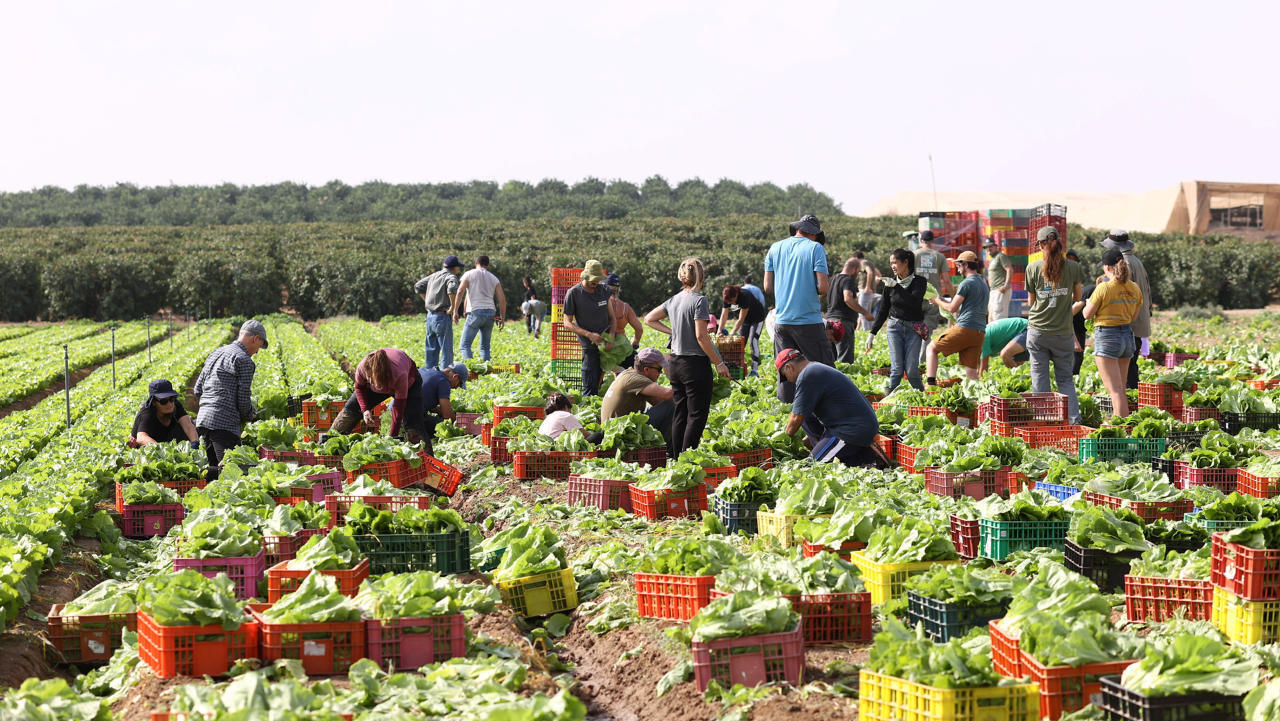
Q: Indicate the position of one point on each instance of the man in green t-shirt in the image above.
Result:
(932, 266)
(997, 281)
(1007, 339)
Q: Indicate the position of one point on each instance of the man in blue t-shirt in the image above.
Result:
(437, 385)
(969, 305)
(795, 272)
(826, 395)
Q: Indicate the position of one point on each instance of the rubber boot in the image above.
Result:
(344, 423)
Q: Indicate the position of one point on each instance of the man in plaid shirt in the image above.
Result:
(223, 390)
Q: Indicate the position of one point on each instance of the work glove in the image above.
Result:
(1146, 347)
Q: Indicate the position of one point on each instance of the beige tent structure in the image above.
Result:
(1194, 206)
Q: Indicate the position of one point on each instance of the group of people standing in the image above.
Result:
(449, 295)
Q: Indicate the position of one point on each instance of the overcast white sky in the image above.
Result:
(850, 97)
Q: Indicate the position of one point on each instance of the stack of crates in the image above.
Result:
(1016, 247)
(1049, 214)
(954, 231)
(566, 352)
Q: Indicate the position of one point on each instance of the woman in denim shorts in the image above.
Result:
(1113, 306)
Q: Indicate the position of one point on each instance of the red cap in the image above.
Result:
(837, 329)
(785, 356)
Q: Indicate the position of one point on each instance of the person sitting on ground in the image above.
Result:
(637, 387)
(386, 373)
(162, 419)
(1006, 339)
(826, 395)
(437, 386)
(969, 305)
(560, 417)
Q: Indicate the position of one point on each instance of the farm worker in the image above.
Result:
(439, 291)
(932, 266)
(795, 272)
(843, 305)
(223, 389)
(162, 418)
(382, 374)
(437, 386)
(1077, 320)
(749, 319)
(589, 314)
(998, 281)
(1007, 340)
(693, 355)
(969, 305)
(1115, 303)
(624, 315)
(1119, 240)
(868, 279)
(560, 417)
(532, 323)
(1053, 292)
(637, 387)
(749, 285)
(903, 309)
(827, 396)
(481, 292)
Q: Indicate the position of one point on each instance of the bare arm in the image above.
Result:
(633, 320)
(768, 281)
(737, 325)
(957, 300)
(502, 303)
(144, 440)
(446, 408)
(571, 324)
(824, 282)
(794, 422)
(459, 298)
(657, 392)
(851, 300)
(654, 319)
(188, 427)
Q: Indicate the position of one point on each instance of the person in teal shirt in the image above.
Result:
(970, 307)
(1006, 339)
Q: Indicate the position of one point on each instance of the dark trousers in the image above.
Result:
(812, 342)
(216, 443)
(591, 373)
(1132, 381)
(413, 417)
(660, 417)
(844, 348)
(691, 382)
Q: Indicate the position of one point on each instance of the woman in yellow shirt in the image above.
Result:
(1113, 306)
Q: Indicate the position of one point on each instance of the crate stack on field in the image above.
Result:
(954, 231)
(1014, 231)
(566, 352)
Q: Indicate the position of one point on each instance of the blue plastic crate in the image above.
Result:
(1059, 492)
(1018, 295)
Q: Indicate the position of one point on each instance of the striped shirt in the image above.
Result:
(223, 389)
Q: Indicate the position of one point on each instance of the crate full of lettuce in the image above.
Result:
(532, 576)
(411, 539)
(825, 590)
(748, 639)
(676, 491)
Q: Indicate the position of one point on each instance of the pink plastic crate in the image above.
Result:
(751, 660)
(244, 572)
(409, 643)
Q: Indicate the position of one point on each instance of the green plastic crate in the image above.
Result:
(1213, 526)
(944, 621)
(998, 539)
(445, 553)
(1127, 450)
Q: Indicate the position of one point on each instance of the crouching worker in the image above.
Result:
(1006, 339)
(638, 387)
(386, 373)
(437, 388)
(827, 396)
(162, 419)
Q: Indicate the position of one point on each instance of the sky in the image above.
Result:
(850, 97)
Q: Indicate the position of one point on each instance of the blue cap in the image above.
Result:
(612, 279)
(452, 262)
(460, 368)
(161, 389)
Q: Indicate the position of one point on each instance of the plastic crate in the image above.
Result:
(245, 573)
(322, 485)
(654, 457)
(89, 638)
(1156, 599)
(1017, 480)
(656, 505)
(1184, 439)
(1006, 655)
(302, 458)
(780, 526)
(180, 487)
(486, 433)
(719, 474)
(1148, 511)
(279, 548)
(142, 521)
(469, 422)
(400, 644)
(498, 452)
(887, 445)
(737, 516)
(974, 484)
(1244, 621)
(888, 698)
(1173, 360)
(569, 371)
(1264, 384)
(1215, 526)
(809, 550)
(398, 472)
(282, 581)
(944, 621)
(321, 417)
(541, 595)
(762, 458)
(1193, 415)
(1064, 438)
(1057, 490)
(565, 277)
(554, 465)
(1256, 485)
(194, 650)
(1223, 479)
(1032, 409)
(1125, 450)
(965, 536)
(905, 455)
(834, 617)
(1163, 396)
(338, 505)
(1064, 689)
(445, 553)
(1167, 467)
(1253, 574)
(887, 581)
(600, 493)
(491, 560)
(1001, 538)
(325, 649)
(750, 660)
(441, 476)
(1105, 569)
(501, 412)
(672, 597)
(1123, 704)
(1236, 422)
(557, 309)
(964, 420)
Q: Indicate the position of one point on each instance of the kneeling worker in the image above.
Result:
(437, 386)
(969, 304)
(1007, 339)
(637, 387)
(386, 373)
(833, 400)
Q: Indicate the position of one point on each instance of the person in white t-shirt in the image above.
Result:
(560, 417)
(480, 294)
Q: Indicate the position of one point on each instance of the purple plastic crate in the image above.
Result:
(245, 572)
(324, 484)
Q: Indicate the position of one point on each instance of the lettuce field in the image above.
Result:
(1008, 566)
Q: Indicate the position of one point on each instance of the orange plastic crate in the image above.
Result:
(324, 649)
(282, 581)
(528, 465)
(1163, 396)
(501, 412)
(809, 550)
(716, 476)
(1264, 384)
(1064, 438)
(656, 505)
(88, 638)
(1006, 656)
(1032, 409)
(1149, 511)
(565, 277)
(398, 472)
(338, 505)
(194, 650)
(1064, 689)
(887, 445)
(1258, 486)
(1148, 598)
(762, 458)
(671, 597)
(441, 476)
(906, 456)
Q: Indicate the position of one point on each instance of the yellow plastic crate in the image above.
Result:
(887, 581)
(1245, 621)
(540, 595)
(886, 698)
(780, 526)
(557, 312)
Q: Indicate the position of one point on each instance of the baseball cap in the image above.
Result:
(253, 327)
(652, 357)
(612, 279)
(1046, 233)
(926, 236)
(1111, 256)
(452, 262)
(161, 388)
(989, 241)
(461, 369)
(968, 256)
(785, 356)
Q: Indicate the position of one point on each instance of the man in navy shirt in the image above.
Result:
(437, 384)
(826, 395)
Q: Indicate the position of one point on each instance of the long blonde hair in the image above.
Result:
(692, 273)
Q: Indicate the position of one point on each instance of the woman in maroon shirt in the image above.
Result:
(386, 373)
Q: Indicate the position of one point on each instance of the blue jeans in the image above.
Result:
(478, 321)
(439, 343)
(1054, 354)
(904, 354)
(591, 371)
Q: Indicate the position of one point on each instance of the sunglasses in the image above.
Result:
(166, 400)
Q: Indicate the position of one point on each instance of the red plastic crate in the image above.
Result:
(565, 277)
(887, 445)
(245, 573)
(965, 536)
(1002, 429)
(324, 649)
(338, 505)
(1017, 480)
(718, 475)
(600, 493)
(281, 581)
(1193, 415)
(404, 644)
(1064, 438)
(809, 550)
(656, 505)
(1148, 511)
(1033, 409)
(498, 452)
(1173, 360)
(751, 660)
(1163, 396)
(966, 420)
(654, 457)
(322, 485)
(974, 484)
(334, 462)
(441, 476)
(280, 548)
(1223, 479)
(469, 422)
(529, 465)
(906, 456)
(671, 597)
(1006, 656)
(1257, 486)
(1253, 574)
(148, 521)
(194, 650)
(302, 458)
(1148, 598)
(501, 412)
(1064, 689)
(1264, 384)
(89, 638)
(315, 416)
(398, 473)
(834, 617)
(486, 433)
(180, 487)
(762, 458)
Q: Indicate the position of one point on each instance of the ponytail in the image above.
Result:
(1055, 258)
(1121, 271)
(692, 273)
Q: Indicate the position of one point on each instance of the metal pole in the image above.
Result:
(934, 179)
(148, 339)
(66, 381)
(170, 330)
(113, 357)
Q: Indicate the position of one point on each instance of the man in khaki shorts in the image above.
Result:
(965, 338)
